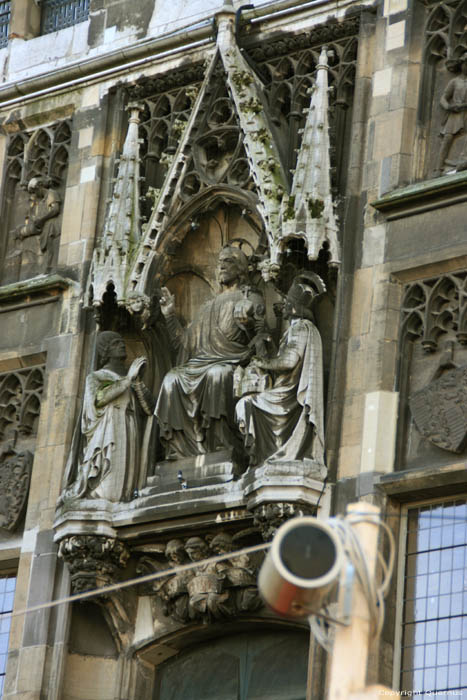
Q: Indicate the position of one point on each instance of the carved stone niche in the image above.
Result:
(36, 167)
(433, 372)
(209, 592)
(20, 397)
(443, 100)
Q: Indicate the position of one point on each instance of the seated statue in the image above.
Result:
(112, 425)
(195, 408)
(285, 422)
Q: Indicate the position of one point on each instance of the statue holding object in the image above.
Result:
(285, 422)
(112, 425)
(454, 102)
(37, 239)
(195, 408)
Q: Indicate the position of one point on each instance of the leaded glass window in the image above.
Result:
(434, 614)
(7, 594)
(5, 9)
(58, 14)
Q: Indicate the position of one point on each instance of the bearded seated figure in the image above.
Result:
(195, 408)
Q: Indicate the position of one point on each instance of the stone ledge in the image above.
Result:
(423, 196)
(37, 290)
(424, 482)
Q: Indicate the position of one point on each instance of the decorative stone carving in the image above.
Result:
(94, 561)
(440, 410)
(432, 374)
(234, 139)
(20, 401)
(112, 426)
(454, 102)
(38, 237)
(37, 163)
(122, 227)
(210, 591)
(444, 117)
(195, 408)
(285, 422)
(311, 199)
(15, 476)
(434, 306)
(269, 517)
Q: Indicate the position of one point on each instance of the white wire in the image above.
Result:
(374, 593)
(95, 592)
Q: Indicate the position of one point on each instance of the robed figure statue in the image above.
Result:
(112, 426)
(285, 422)
(195, 408)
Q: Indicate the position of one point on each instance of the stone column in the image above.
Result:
(25, 20)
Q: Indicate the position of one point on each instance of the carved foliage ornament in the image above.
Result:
(270, 516)
(94, 561)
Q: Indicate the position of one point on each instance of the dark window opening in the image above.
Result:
(5, 11)
(58, 14)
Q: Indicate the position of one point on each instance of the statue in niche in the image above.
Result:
(112, 426)
(454, 102)
(285, 422)
(37, 239)
(195, 408)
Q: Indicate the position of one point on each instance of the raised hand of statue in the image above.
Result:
(167, 302)
(137, 368)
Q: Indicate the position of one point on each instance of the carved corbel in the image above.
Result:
(94, 562)
(268, 517)
(208, 591)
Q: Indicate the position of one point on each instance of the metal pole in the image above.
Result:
(350, 649)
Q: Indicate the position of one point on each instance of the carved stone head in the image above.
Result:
(108, 343)
(232, 265)
(196, 548)
(175, 551)
(222, 543)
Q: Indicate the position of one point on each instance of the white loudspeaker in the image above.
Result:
(302, 566)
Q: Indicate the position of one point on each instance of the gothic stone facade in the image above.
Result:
(233, 290)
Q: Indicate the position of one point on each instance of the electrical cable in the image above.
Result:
(104, 590)
(374, 593)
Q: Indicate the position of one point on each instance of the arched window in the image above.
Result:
(258, 666)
